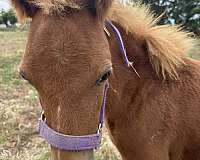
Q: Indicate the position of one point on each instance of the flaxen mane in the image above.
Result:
(167, 45)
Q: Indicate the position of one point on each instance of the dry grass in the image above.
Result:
(19, 109)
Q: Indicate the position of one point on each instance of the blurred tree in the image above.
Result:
(1, 19)
(184, 12)
(8, 18)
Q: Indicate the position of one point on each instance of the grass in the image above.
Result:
(8, 70)
(19, 109)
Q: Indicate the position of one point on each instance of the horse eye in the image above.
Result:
(23, 76)
(104, 77)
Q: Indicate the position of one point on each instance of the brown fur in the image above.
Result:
(148, 117)
(102, 7)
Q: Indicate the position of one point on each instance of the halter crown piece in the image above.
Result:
(86, 142)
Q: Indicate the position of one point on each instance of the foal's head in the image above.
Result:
(67, 60)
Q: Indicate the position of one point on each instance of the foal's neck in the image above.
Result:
(126, 88)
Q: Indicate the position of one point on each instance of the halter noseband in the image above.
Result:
(86, 142)
(74, 143)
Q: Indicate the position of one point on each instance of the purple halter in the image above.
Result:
(74, 143)
(86, 142)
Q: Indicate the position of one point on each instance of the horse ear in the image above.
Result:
(101, 7)
(24, 9)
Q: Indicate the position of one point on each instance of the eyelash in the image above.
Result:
(103, 77)
(23, 77)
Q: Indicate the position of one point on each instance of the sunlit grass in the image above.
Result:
(8, 71)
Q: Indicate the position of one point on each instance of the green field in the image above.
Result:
(19, 108)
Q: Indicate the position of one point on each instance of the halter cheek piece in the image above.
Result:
(86, 142)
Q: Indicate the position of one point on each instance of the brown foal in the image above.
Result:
(154, 117)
